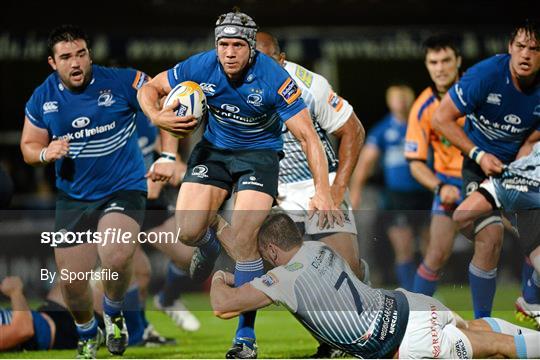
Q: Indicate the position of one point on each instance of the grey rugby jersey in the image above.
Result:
(328, 111)
(321, 290)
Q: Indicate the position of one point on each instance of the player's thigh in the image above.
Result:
(474, 206)
(345, 244)
(196, 206)
(78, 258)
(120, 239)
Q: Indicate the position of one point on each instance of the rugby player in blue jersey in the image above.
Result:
(250, 99)
(500, 97)
(82, 118)
(315, 284)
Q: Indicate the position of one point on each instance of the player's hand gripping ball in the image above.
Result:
(191, 101)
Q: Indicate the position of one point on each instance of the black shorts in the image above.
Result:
(234, 169)
(66, 332)
(79, 216)
(472, 175)
(407, 208)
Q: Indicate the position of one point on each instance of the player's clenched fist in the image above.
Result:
(11, 285)
(57, 149)
(491, 165)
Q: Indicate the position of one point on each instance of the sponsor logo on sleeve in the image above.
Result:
(536, 110)
(140, 79)
(411, 146)
(304, 76)
(269, 279)
(459, 92)
(289, 91)
(335, 101)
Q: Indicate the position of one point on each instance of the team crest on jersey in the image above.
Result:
(289, 91)
(50, 106)
(294, 266)
(269, 279)
(106, 98)
(254, 99)
(200, 171)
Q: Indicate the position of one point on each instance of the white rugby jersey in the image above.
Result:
(328, 111)
(323, 293)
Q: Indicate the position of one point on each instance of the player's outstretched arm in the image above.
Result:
(21, 328)
(301, 126)
(228, 301)
(351, 138)
(36, 148)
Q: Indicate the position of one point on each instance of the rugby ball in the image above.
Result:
(190, 100)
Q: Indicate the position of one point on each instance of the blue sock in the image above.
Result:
(88, 330)
(209, 244)
(111, 307)
(405, 274)
(425, 280)
(531, 291)
(174, 281)
(142, 313)
(132, 315)
(483, 285)
(526, 272)
(244, 272)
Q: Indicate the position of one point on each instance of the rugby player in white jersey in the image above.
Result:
(319, 288)
(331, 114)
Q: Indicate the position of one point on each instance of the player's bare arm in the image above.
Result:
(351, 138)
(301, 126)
(21, 328)
(527, 146)
(228, 301)
(149, 97)
(366, 162)
(36, 148)
(445, 121)
(449, 193)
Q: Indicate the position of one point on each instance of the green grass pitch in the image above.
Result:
(279, 335)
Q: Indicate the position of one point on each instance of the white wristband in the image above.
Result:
(42, 155)
(476, 154)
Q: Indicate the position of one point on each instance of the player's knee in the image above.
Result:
(437, 258)
(190, 235)
(117, 261)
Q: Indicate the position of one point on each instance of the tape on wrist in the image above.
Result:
(168, 155)
(476, 154)
(42, 155)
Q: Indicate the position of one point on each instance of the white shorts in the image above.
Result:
(490, 188)
(431, 331)
(294, 198)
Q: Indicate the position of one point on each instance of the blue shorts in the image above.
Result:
(438, 208)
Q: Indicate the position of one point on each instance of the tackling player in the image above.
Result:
(442, 61)
(331, 114)
(499, 96)
(82, 118)
(319, 288)
(250, 99)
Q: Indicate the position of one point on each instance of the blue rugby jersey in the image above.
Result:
(245, 115)
(499, 116)
(99, 123)
(388, 136)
